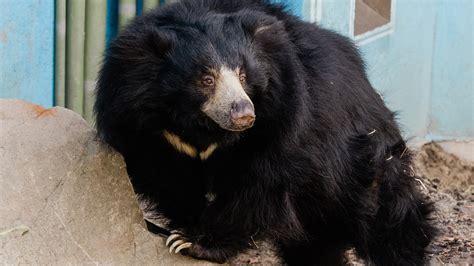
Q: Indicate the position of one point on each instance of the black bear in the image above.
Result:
(239, 122)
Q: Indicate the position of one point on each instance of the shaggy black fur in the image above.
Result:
(307, 176)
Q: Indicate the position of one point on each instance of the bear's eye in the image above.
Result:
(208, 81)
(242, 78)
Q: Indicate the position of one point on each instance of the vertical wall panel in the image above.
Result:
(112, 20)
(27, 50)
(149, 4)
(60, 54)
(75, 25)
(96, 11)
(127, 11)
(139, 7)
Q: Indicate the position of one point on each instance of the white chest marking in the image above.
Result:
(210, 197)
(188, 149)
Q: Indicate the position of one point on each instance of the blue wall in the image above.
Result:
(27, 50)
(423, 67)
(452, 100)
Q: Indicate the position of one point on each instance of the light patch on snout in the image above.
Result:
(188, 149)
(228, 90)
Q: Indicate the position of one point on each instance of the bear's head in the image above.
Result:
(190, 75)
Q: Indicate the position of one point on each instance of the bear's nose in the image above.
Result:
(242, 114)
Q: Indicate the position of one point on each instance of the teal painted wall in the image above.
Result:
(27, 50)
(335, 15)
(452, 100)
(423, 68)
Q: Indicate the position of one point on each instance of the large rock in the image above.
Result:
(65, 198)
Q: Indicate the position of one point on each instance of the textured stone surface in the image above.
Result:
(65, 198)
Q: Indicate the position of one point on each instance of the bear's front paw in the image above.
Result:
(177, 242)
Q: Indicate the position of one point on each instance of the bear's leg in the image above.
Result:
(322, 252)
(400, 241)
(402, 228)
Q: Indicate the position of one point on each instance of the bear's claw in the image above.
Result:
(183, 246)
(176, 243)
(171, 238)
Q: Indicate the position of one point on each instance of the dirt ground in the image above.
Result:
(449, 183)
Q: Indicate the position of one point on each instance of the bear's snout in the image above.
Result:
(230, 106)
(242, 114)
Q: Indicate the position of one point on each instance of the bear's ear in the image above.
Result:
(256, 24)
(159, 40)
(148, 42)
